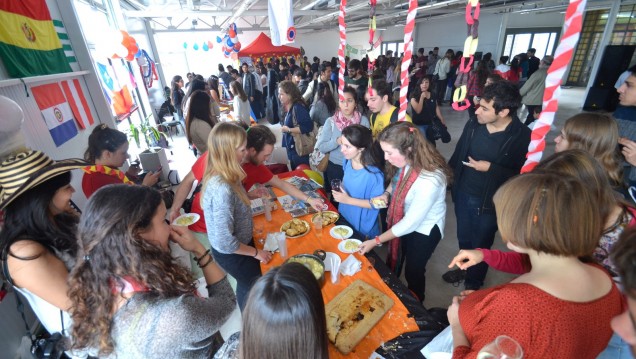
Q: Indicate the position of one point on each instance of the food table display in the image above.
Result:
(397, 319)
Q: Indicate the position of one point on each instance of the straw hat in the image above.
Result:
(26, 170)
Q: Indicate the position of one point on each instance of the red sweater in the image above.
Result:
(91, 182)
(545, 326)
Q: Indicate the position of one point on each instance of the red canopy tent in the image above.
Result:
(262, 47)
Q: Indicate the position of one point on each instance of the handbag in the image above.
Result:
(304, 142)
(439, 131)
(317, 159)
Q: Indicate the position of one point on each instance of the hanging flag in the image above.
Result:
(76, 99)
(29, 45)
(64, 40)
(118, 97)
(56, 112)
(281, 22)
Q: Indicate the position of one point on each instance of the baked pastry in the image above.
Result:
(353, 313)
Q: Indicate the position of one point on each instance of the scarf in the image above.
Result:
(396, 213)
(107, 171)
(125, 285)
(341, 121)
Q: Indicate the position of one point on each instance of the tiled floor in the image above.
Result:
(438, 293)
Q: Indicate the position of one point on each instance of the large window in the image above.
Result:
(518, 41)
(395, 46)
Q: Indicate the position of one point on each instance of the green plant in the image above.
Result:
(150, 134)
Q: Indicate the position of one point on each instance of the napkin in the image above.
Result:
(328, 258)
(350, 266)
(271, 244)
(334, 263)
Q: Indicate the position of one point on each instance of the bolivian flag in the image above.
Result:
(29, 45)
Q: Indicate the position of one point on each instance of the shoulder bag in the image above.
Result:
(304, 142)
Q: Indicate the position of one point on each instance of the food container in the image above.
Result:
(317, 259)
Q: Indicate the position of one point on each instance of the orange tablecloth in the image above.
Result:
(394, 322)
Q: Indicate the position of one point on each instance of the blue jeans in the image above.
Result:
(295, 160)
(245, 269)
(617, 348)
(474, 230)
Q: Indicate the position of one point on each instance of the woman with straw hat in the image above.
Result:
(37, 241)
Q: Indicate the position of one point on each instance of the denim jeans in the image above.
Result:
(295, 160)
(245, 269)
(474, 230)
(617, 348)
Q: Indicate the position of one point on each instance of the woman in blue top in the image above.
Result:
(362, 180)
(297, 120)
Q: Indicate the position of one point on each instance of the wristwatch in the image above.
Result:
(377, 241)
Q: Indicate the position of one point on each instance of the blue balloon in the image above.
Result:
(218, 39)
(205, 47)
(229, 42)
(195, 47)
(138, 53)
(185, 45)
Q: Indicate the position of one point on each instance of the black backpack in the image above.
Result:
(394, 117)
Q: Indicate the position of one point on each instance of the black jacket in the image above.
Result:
(510, 159)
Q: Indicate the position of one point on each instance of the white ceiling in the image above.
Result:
(316, 15)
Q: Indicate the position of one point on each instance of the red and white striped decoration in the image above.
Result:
(562, 57)
(406, 60)
(341, 48)
(460, 103)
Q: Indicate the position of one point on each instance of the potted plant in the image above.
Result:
(151, 136)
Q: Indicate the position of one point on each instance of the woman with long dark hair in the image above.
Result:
(196, 85)
(297, 120)
(329, 140)
(425, 108)
(324, 106)
(284, 302)
(177, 95)
(107, 151)
(362, 180)
(199, 122)
(228, 215)
(37, 241)
(213, 86)
(127, 289)
(417, 210)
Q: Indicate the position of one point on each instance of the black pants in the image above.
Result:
(440, 88)
(417, 249)
(530, 117)
(245, 269)
(333, 171)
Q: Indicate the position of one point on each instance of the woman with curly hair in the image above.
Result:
(130, 298)
(228, 215)
(596, 134)
(417, 210)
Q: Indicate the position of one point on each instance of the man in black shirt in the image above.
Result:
(533, 61)
(491, 150)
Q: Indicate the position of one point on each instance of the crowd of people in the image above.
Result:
(107, 280)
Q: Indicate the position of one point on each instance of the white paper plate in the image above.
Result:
(341, 245)
(337, 236)
(186, 220)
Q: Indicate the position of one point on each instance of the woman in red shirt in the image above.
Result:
(562, 307)
(107, 151)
